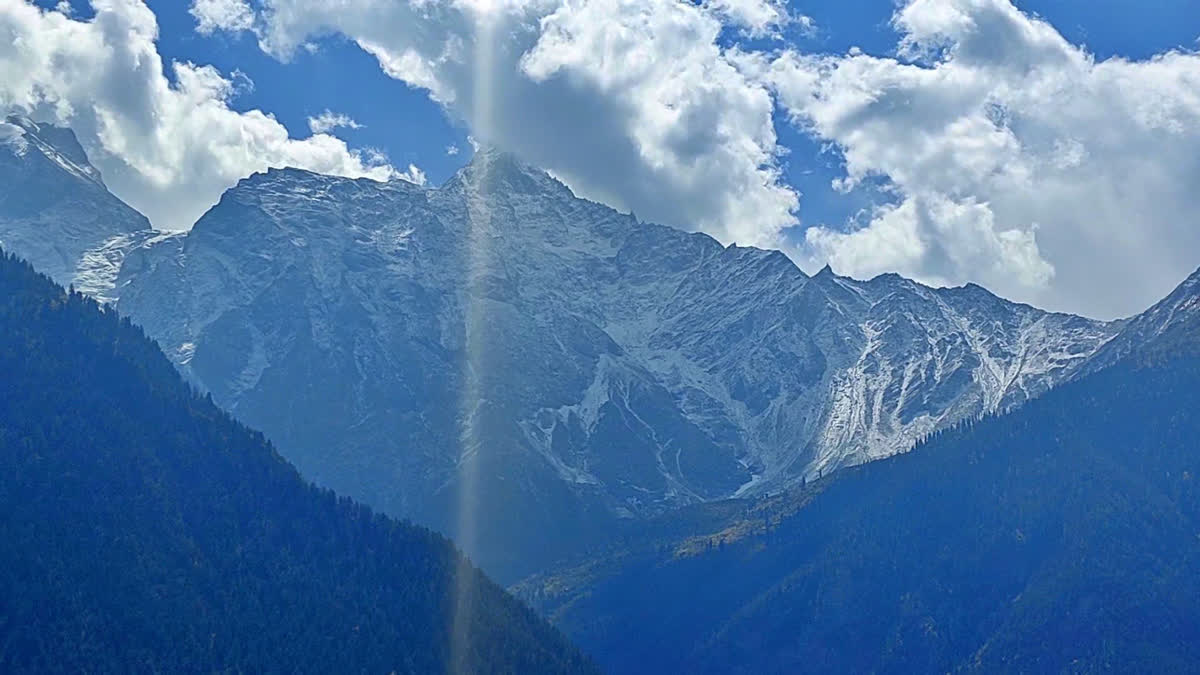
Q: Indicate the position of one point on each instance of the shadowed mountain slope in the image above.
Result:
(146, 530)
(1063, 537)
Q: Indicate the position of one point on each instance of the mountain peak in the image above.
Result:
(284, 176)
(492, 155)
(492, 170)
(292, 183)
(1180, 308)
(55, 210)
(11, 133)
(1191, 284)
(1168, 328)
(57, 144)
(1182, 305)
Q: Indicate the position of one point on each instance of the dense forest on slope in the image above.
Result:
(145, 530)
(1064, 537)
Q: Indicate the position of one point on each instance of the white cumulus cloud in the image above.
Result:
(755, 17)
(212, 15)
(1014, 158)
(632, 102)
(413, 174)
(168, 148)
(1005, 154)
(328, 121)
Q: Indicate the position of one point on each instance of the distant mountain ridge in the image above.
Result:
(623, 368)
(498, 346)
(1062, 537)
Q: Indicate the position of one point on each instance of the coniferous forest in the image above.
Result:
(636, 337)
(147, 531)
(1062, 537)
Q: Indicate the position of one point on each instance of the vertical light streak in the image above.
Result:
(473, 400)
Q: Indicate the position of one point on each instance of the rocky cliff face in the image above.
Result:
(515, 365)
(56, 212)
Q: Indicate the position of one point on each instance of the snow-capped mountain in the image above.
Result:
(56, 212)
(499, 344)
(552, 363)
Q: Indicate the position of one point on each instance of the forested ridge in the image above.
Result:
(145, 530)
(1063, 537)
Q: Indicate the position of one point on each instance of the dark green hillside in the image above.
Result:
(1064, 537)
(145, 530)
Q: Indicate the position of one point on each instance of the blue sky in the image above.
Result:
(1108, 28)
(1007, 156)
(410, 128)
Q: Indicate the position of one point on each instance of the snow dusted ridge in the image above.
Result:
(573, 362)
(546, 361)
(55, 210)
(1175, 318)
